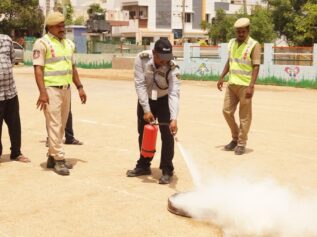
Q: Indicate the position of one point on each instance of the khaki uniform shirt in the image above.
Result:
(153, 83)
(256, 54)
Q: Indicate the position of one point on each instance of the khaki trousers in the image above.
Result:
(236, 94)
(56, 114)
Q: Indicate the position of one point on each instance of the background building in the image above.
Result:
(149, 20)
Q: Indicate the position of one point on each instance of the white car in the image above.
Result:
(18, 49)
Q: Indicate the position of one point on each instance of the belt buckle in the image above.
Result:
(65, 87)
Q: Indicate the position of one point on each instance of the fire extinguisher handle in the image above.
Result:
(161, 124)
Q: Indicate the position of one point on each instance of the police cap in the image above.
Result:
(242, 22)
(54, 18)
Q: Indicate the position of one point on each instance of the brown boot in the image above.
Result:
(60, 167)
(240, 150)
(231, 145)
(51, 163)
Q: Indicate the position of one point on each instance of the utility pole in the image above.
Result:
(183, 17)
(47, 6)
(245, 7)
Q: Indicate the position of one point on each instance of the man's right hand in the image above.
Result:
(42, 101)
(220, 84)
(148, 117)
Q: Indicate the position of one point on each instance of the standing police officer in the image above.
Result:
(54, 71)
(243, 67)
(157, 86)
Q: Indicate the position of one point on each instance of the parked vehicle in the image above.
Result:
(18, 49)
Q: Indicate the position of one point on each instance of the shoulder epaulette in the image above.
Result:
(144, 55)
(173, 65)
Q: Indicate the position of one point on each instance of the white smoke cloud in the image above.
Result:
(245, 209)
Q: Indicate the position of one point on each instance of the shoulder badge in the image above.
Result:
(178, 76)
(144, 55)
(173, 65)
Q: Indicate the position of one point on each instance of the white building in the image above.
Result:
(151, 19)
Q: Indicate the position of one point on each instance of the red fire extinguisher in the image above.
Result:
(149, 140)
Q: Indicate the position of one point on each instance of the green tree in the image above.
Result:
(306, 25)
(20, 17)
(221, 29)
(79, 21)
(69, 14)
(295, 19)
(95, 8)
(283, 15)
(262, 25)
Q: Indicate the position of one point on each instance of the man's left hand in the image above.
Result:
(82, 95)
(249, 92)
(173, 127)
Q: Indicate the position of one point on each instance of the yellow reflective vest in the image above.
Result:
(240, 62)
(58, 69)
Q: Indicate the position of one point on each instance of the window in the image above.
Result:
(132, 14)
(17, 46)
(207, 17)
(188, 17)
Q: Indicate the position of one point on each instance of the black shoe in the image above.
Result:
(138, 172)
(165, 179)
(51, 163)
(240, 150)
(231, 145)
(74, 142)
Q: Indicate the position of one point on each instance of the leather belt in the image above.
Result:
(63, 87)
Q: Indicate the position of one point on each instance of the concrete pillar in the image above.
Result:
(203, 10)
(186, 55)
(223, 53)
(138, 38)
(314, 64)
(195, 50)
(268, 60)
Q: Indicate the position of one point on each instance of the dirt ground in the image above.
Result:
(97, 199)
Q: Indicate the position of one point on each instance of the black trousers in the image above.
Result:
(9, 112)
(160, 110)
(69, 132)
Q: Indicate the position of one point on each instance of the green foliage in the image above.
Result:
(305, 83)
(102, 65)
(296, 19)
(195, 77)
(95, 8)
(221, 30)
(262, 25)
(306, 25)
(20, 17)
(68, 14)
(79, 21)
(283, 15)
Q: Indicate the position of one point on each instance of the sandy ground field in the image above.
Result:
(97, 199)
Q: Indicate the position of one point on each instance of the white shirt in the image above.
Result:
(148, 78)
